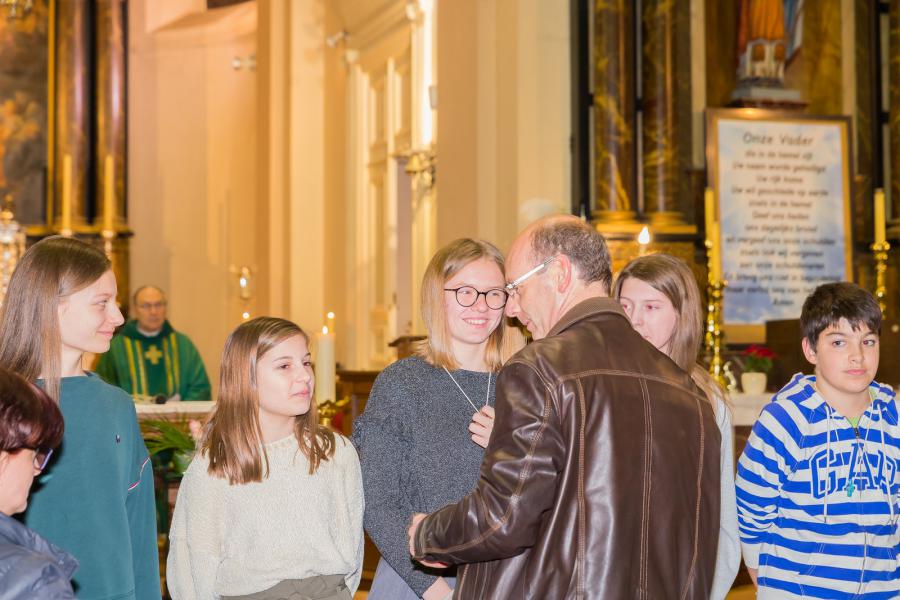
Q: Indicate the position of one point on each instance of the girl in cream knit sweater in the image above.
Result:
(272, 504)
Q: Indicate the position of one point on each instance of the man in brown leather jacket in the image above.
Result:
(601, 478)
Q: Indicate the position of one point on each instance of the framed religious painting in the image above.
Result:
(25, 102)
(782, 185)
(62, 114)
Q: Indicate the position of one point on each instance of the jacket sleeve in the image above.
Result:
(196, 382)
(382, 438)
(196, 536)
(54, 585)
(141, 510)
(353, 495)
(518, 480)
(764, 467)
(26, 576)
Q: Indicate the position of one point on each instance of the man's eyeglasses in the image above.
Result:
(466, 296)
(152, 306)
(512, 287)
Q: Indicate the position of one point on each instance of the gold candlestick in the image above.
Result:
(65, 217)
(880, 250)
(329, 409)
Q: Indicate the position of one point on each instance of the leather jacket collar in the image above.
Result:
(585, 309)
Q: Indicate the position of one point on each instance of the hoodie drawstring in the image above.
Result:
(889, 496)
(827, 456)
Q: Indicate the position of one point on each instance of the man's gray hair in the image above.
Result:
(137, 292)
(579, 241)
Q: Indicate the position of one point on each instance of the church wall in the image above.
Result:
(503, 116)
(193, 169)
(335, 191)
(307, 257)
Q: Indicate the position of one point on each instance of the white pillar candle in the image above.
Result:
(325, 376)
(712, 234)
(109, 194)
(880, 236)
(66, 207)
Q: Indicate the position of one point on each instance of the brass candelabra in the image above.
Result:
(12, 244)
(880, 250)
(715, 290)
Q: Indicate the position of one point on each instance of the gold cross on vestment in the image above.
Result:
(153, 355)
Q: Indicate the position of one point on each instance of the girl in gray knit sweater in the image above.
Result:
(421, 438)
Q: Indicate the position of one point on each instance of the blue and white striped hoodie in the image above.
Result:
(817, 499)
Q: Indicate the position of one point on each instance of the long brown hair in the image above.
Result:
(30, 342)
(671, 276)
(233, 438)
(503, 342)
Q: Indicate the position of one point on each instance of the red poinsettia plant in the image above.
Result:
(758, 359)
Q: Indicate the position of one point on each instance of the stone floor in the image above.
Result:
(744, 592)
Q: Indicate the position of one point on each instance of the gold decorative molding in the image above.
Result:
(421, 165)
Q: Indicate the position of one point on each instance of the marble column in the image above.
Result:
(894, 77)
(70, 120)
(110, 94)
(863, 95)
(659, 92)
(614, 90)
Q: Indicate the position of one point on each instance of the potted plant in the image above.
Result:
(757, 361)
(175, 439)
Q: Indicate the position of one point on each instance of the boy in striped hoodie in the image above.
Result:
(817, 484)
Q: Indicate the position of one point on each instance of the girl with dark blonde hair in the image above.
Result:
(272, 503)
(429, 417)
(97, 501)
(660, 295)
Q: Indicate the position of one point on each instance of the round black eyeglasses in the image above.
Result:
(466, 296)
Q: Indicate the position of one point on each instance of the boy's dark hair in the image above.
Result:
(831, 302)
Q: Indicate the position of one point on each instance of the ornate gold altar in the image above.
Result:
(63, 145)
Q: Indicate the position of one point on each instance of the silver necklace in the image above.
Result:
(487, 394)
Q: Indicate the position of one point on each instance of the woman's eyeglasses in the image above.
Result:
(42, 457)
(466, 296)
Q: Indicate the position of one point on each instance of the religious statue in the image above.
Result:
(761, 42)
(769, 31)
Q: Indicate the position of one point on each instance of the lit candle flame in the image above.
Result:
(330, 315)
(325, 329)
(644, 236)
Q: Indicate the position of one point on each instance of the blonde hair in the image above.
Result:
(671, 276)
(51, 270)
(502, 343)
(233, 438)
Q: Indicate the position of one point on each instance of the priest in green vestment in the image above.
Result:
(148, 358)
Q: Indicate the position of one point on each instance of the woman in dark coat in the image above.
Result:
(31, 426)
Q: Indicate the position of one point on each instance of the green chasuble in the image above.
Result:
(167, 363)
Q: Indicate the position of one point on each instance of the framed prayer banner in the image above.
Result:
(783, 184)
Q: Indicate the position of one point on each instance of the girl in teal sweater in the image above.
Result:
(96, 501)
